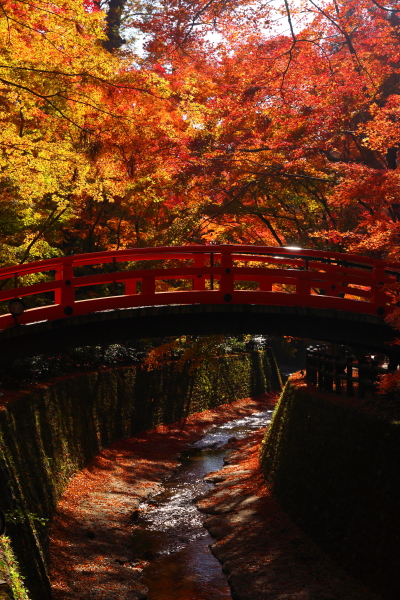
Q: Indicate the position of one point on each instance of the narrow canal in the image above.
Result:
(169, 532)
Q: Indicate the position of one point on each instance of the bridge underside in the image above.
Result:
(121, 326)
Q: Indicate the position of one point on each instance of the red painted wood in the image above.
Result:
(309, 278)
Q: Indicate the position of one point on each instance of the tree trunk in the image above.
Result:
(113, 20)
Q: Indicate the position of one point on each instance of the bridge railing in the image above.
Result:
(349, 376)
(76, 285)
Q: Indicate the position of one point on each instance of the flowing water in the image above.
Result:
(170, 532)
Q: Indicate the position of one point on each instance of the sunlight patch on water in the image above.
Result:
(238, 428)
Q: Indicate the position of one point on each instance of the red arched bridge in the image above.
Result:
(284, 283)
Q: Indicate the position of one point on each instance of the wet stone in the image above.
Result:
(210, 478)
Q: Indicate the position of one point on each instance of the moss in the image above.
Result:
(334, 468)
(49, 434)
(10, 572)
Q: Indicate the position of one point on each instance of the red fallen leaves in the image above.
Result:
(90, 545)
(264, 554)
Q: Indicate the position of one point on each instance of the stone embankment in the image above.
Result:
(332, 463)
(49, 431)
(91, 553)
(266, 556)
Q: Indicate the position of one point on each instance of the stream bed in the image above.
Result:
(169, 531)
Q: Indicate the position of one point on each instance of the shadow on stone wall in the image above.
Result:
(334, 467)
(47, 435)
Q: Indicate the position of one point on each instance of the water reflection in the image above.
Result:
(169, 532)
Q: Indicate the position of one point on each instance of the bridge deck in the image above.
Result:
(367, 332)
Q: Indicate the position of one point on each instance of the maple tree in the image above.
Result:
(255, 135)
(302, 153)
(222, 129)
(81, 131)
(291, 135)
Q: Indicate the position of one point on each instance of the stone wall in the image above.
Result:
(50, 433)
(334, 467)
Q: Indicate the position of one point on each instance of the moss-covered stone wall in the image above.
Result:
(52, 432)
(335, 469)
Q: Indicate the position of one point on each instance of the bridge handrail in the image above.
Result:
(335, 373)
(157, 253)
(343, 281)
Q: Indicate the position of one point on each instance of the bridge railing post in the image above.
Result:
(227, 279)
(363, 368)
(315, 366)
(332, 289)
(349, 377)
(309, 364)
(339, 374)
(265, 284)
(148, 285)
(312, 365)
(65, 296)
(199, 281)
(212, 274)
(374, 373)
(328, 372)
(378, 276)
(130, 287)
(303, 287)
(114, 283)
(321, 374)
(393, 364)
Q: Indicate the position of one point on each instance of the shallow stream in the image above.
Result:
(169, 531)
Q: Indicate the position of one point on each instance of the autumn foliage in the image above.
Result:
(225, 127)
(130, 123)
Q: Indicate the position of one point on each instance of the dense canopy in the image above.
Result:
(132, 122)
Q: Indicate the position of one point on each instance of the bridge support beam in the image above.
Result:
(369, 332)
